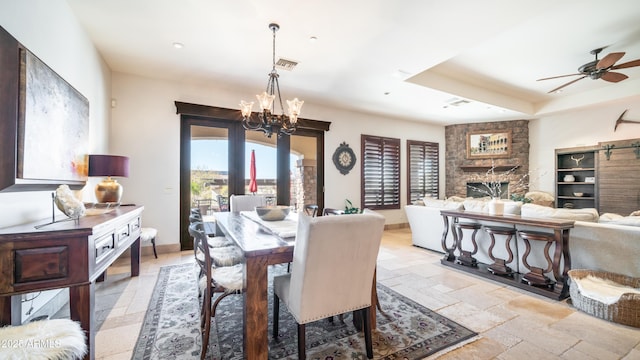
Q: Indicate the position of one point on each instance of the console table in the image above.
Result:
(66, 254)
(561, 252)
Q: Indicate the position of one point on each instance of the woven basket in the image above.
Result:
(625, 311)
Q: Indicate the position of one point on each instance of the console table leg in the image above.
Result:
(135, 257)
(81, 308)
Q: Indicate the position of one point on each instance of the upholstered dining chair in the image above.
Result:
(329, 248)
(225, 280)
(239, 203)
(58, 339)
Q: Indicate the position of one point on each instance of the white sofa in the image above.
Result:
(606, 246)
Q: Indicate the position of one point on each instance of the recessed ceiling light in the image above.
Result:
(178, 45)
(313, 39)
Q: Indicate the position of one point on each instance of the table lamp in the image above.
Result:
(108, 165)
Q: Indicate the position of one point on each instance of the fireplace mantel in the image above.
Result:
(485, 168)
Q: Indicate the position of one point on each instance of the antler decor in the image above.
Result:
(577, 160)
(620, 121)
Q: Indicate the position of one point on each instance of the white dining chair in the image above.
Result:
(334, 260)
(239, 203)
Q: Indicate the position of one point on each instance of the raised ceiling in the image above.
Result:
(410, 59)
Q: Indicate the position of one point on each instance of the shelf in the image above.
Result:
(577, 169)
(480, 168)
(580, 164)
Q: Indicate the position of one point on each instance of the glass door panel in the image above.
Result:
(209, 169)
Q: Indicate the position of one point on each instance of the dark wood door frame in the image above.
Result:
(202, 115)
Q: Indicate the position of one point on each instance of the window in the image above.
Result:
(422, 170)
(380, 172)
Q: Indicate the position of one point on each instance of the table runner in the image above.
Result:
(285, 228)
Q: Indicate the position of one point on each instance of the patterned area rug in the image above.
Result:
(170, 330)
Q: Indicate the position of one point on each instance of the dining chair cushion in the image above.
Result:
(219, 241)
(239, 203)
(226, 256)
(334, 260)
(229, 277)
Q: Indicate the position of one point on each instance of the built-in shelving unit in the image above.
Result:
(577, 178)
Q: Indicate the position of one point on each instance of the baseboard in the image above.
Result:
(396, 226)
(147, 250)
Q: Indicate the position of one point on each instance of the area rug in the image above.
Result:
(170, 329)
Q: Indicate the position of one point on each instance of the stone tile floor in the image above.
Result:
(513, 324)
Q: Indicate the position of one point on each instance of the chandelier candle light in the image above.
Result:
(266, 120)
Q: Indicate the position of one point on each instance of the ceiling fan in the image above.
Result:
(599, 69)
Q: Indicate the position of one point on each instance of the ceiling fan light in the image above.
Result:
(265, 100)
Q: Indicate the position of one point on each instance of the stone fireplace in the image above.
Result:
(460, 170)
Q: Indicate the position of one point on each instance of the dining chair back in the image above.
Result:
(225, 280)
(239, 203)
(330, 248)
(223, 203)
(311, 210)
(331, 211)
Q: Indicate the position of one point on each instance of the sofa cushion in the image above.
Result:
(539, 211)
(477, 205)
(610, 218)
(442, 204)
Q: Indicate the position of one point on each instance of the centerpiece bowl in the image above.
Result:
(272, 213)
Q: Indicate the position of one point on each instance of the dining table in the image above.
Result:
(261, 247)
(263, 243)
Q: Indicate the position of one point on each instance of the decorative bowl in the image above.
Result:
(272, 213)
(578, 194)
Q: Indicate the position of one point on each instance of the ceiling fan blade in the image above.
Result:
(609, 60)
(561, 76)
(567, 84)
(627, 64)
(613, 77)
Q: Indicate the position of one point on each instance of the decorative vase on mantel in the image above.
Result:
(496, 206)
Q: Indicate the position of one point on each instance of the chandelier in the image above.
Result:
(266, 120)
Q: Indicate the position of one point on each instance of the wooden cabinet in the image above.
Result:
(577, 177)
(66, 254)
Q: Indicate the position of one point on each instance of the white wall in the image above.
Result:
(146, 128)
(49, 29)
(586, 127)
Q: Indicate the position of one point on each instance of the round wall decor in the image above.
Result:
(344, 158)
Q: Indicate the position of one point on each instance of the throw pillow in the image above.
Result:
(541, 198)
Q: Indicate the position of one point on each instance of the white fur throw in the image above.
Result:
(603, 290)
(58, 339)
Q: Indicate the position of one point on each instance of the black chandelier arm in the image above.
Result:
(253, 123)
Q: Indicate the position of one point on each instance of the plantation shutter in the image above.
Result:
(380, 173)
(423, 170)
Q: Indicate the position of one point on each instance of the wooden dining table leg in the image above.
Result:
(256, 309)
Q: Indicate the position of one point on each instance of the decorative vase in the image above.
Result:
(569, 178)
(496, 206)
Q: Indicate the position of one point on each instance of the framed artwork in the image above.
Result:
(487, 144)
(53, 127)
